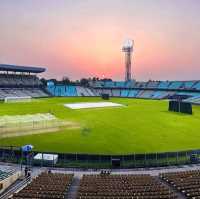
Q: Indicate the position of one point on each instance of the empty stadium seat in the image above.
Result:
(46, 185)
(124, 93)
(163, 84)
(122, 186)
(175, 85)
(187, 182)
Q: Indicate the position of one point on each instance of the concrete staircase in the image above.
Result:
(73, 190)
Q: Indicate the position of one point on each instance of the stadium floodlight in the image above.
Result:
(127, 48)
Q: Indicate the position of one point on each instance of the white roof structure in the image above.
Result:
(46, 157)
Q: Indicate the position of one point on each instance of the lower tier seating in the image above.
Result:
(187, 182)
(123, 186)
(22, 92)
(46, 185)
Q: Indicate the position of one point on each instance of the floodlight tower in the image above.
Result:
(128, 49)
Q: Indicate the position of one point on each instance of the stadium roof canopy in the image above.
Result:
(14, 68)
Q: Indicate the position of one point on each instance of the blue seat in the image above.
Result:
(51, 89)
(71, 91)
(62, 91)
(164, 85)
(120, 84)
(175, 85)
(196, 85)
(109, 84)
(133, 93)
(124, 93)
(188, 84)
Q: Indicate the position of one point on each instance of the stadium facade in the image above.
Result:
(189, 90)
(21, 81)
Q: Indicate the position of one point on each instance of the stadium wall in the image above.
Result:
(75, 160)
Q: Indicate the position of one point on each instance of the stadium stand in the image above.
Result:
(5, 174)
(46, 185)
(141, 84)
(109, 84)
(7, 177)
(175, 85)
(152, 84)
(188, 84)
(146, 94)
(146, 184)
(196, 86)
(82, 91)
(132, 89)
(187, 182)
(163, 85)
(124, 93)
(15, 82)
(133, 93)
(159, 95)
(122, 186)
(97, 92)
(116, 92)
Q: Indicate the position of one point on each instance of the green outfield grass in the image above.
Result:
(141, 126)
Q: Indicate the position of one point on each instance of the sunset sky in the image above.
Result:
(83, 38)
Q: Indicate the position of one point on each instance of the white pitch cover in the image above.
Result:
(92, 105)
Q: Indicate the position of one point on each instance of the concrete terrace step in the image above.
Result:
(73, 190)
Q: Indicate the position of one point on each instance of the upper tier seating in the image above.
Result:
(188, 84)
(109, 84)
(188, 182)
(8, 80)
(19, 85)
(122, 186)
(175, 85)
(163, 85)
(47, 186)
(196, 85)
(141, 84)
(152, 84)
(120, 84)
(130, 84)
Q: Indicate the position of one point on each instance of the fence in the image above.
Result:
(13, 154)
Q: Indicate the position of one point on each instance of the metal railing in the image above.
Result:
(17, 187)
(13, 154)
